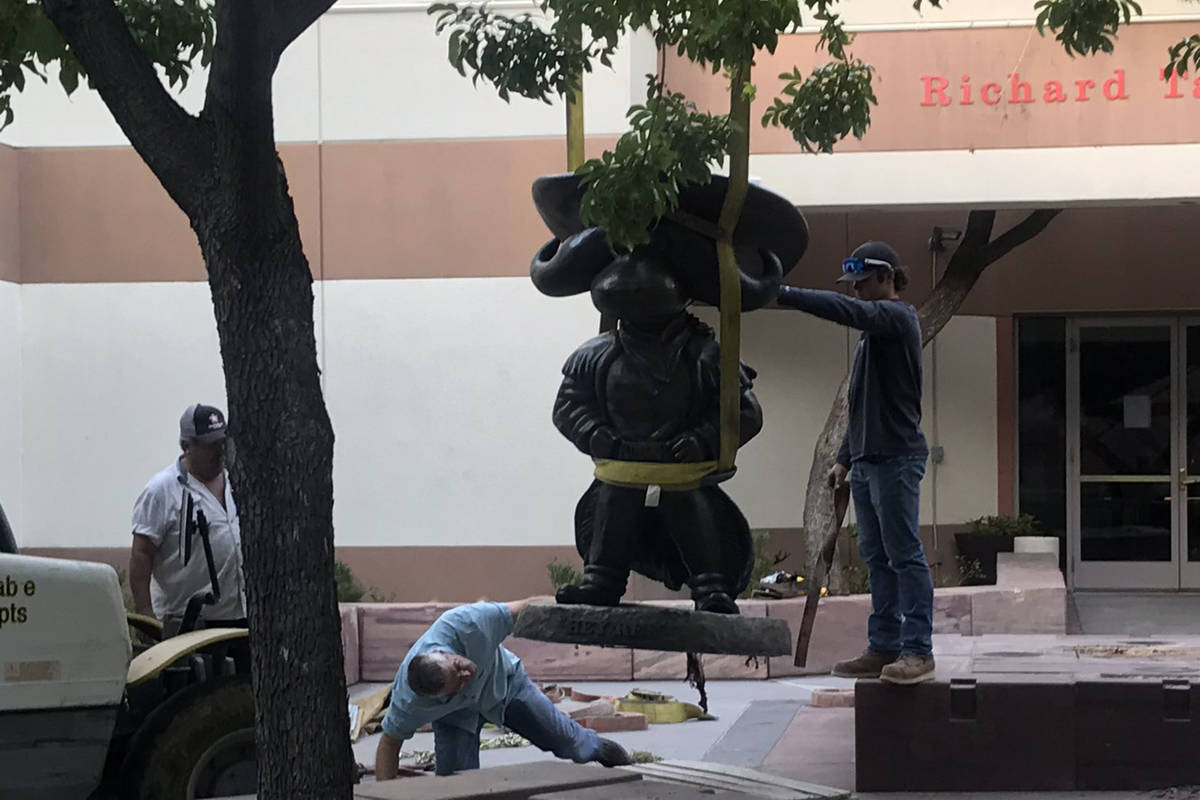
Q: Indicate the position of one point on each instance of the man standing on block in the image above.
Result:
(884, 454)
(458, 676)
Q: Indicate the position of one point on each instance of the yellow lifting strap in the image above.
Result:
(684, 477)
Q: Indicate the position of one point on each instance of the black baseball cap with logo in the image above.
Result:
(202, 424)
(868, 259)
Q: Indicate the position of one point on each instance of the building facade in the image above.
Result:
(1068, 386)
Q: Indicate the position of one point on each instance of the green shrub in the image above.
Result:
(563, 575)
(348, 589)
(1005, 525)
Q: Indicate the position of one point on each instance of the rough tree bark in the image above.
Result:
(223, 170)
(976, 252)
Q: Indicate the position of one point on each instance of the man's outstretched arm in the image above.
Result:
(387, 758)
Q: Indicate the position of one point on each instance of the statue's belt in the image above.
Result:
(669, 477)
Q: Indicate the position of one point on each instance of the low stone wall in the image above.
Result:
(1029, 597)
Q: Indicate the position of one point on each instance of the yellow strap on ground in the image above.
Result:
(640, 474)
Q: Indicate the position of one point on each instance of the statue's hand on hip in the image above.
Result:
(686, 447)
(604, 444)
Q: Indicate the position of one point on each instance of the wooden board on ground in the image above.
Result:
(646, 790)
(515, 782)
(736, 779)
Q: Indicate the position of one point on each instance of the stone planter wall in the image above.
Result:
(1029, 597)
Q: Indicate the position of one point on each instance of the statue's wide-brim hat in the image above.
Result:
(769, 221)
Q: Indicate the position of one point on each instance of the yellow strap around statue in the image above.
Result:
(685, 476)
(731, 362)
(671, 477)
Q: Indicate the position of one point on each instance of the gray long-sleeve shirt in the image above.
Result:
(886, 381)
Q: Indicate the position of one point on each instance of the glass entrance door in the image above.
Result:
(1189, 447)
(1133, 449)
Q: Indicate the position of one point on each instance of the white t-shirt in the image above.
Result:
(158, 515)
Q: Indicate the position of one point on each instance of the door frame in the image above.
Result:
(1144, 575)
(1189, 571)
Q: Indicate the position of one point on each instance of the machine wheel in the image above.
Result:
(198, 744)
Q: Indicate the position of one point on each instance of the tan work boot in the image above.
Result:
(909, 670)
(868, 665)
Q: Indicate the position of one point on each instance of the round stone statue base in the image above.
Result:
(646, 627)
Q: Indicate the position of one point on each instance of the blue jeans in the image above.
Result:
(529, 713)
(887, 501)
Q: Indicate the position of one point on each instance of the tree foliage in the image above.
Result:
(637, 182)
(174, 34)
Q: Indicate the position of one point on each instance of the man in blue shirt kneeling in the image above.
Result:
(458, 676)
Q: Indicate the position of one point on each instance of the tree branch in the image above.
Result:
(168, 139)
(293, 17)
(1020, 233)
(979, 230)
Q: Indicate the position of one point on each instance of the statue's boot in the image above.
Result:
(712, 591)
(602, 586)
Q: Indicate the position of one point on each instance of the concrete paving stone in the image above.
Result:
(952, 644)
(814, 736)
(611, 723)
(946, 667)
(1020, 611)
(1136, 614)
(754, 734)
(833, 698)
(838, 775)
(951, 612)
(517, 782)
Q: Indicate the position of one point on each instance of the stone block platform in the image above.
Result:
(1036, 713)
(668, 629)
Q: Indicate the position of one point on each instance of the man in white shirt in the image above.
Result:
(160, 582)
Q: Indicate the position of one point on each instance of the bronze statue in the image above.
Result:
(648, 392)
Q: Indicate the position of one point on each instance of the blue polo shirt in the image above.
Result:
(473, 631)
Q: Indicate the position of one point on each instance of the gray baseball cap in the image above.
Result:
(202, 424)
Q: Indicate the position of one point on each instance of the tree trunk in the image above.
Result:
(283, 482)
(976, 252)
(223, 171)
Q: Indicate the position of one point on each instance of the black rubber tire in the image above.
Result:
(176, 735)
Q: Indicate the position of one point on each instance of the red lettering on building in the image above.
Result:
(935, 85)
(964, 84)
(1022, 92)
(1114, 88)
(1054, 93)
(1172, 85)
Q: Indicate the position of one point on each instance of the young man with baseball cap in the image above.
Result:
(884, 454)
(159, 580)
